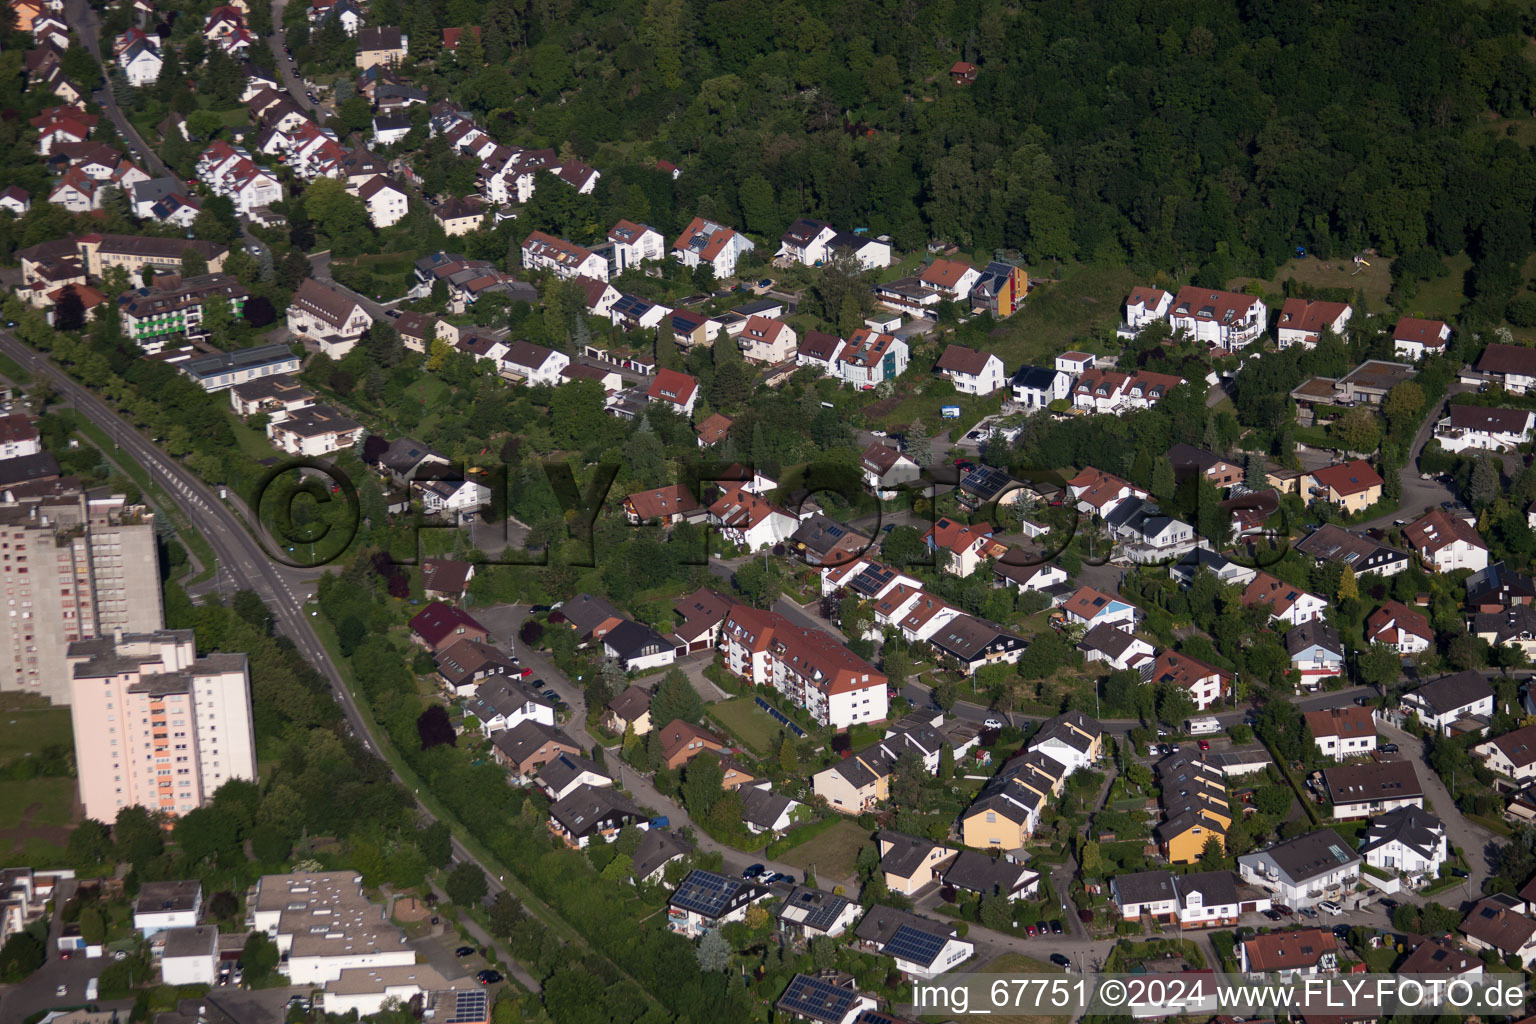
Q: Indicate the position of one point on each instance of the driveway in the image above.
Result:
(1479, 845)
(1419, 494)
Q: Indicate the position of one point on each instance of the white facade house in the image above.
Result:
(1445, 701)
(562, 258)
(1228, 320)
(1409, 841)
(314, 431)
(1303, 321)
(634, 244)
(1479, 428)
(1447, 542)
(1342, 733)
(765, 341)
(140, 64)
(534, 363)
(807, 666)
(387, 201)
(1303, 871)
(1512, 755)
(714, 245)
(1413, 339)
(1035, 387)
(190, 956)
(161, 906)
(1072, 739)
(973, 373)
(1145, 306)
(332, 319)
(455, 497)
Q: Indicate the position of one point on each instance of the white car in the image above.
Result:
(993, 722)
(877, 433)
(61, 991)
(1331, 908)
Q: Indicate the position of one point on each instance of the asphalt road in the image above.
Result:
(287, 70)
(1419, 494)
(236, 550)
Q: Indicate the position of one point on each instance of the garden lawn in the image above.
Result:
(748, 723)
(1335, 272)
(1085, 303)
(36, 802)
(28, 729)
(833, 855)
(1017, 963)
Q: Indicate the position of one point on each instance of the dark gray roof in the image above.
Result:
(589, 806)
(812, 908)
(1455, 691)
(23, 468)
(657, 848)
(977, 871)
(1498, 583)
(1414, 827)
(405, 454)
(586, 612)
(1035, 378)
(762, 807)
(199, 941)
(1299, 638)
(882, 923)
(1216, 888)
(711, 895)
(1310, 855)
(967, 638)
(631, 639)
(1372, 781)
(168, 897)
(1069, 728)
(1144, 887)
(524, 738)
(906, 854)
(565, 769)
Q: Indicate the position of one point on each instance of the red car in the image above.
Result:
(1204, 745)
(1030, 931)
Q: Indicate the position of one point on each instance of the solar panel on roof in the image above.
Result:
(468, 1007)
(816, 999)
(914, 946)
(704, 893)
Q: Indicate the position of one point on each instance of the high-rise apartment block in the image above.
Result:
(155, 724)
(73, 565)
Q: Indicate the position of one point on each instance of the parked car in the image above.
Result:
(1341, 931)
(1388, 748)
(878, 433)
(993, 722)
(1308, 912)
(488, 977)
(1284, 910)
(1362, 702)
(1055, 927)
(1204, 745)
(1029, 930)
(1273, 915)
(550, 695)
(1060, 960)
(464, 951)
(754, 871)
(1330, 908)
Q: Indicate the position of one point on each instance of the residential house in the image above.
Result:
(1227, 320)
(439, 624)
(1023, 571)
(820, 541)
(561, 777)
(1098, 493)
(808, 913)
(1370, 382)
(1512, 756)
(1481, 428)
(386, 200)
(1497, 588)
(634, 244)
(314, 431)
(658, 848)
(564, 259)
(1413, 339)
(1115, 647)
(446, 579)
(918, 614)
(910, 863)
(763, 810)
(536, 365)
(749, 520)
(578, 175)
(1400, 628)
(226, 369)
(675, 389)
(1444, 702)
(389, 129)
(1285, 602)
(1144, 306)
(140, 63)
(887, 470)
(190, 955)
(1301, 952)
(1149, 894)
(921, 947)
(806, 666)
(1007, 808)
(855, 784)
(1366, 557)
(1303, 321)
(828, 997)
(690, 329)
(1440, 956)
(630, 710)
(15, 199)
(162, 906)
(668, 505)
(963, 72)
(593, 814)
(1145, 534)
(952, 278)
(1407, 841)
(1205, 684)
(985, 875)
(1215, 470)
(711, 244)
(975, 643)
(1447, 542)
(638, 647)
(805, 242)
(999, 289)
(501, 702)
(1094, 607)
(681, 742)
(1303, 871)
(700, 616)
(382, 45)
(705, 901)
(461, 216)
(173, 306)
(870, 357)
(1344, 732)
(1199, 560)
(590, 616)
(1497, 922)
(1352, 486)
(528, 746)
(1513, 366)
(1035, 387)
(1071, 738)
(334, 321)
(973, 373)
(464, 664)
(1515, 627)
(1367, 788)
(962, 548)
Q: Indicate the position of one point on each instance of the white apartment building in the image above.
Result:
(324, 925)
(155, 724)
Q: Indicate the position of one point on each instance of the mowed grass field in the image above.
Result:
(1085, 303)
(1017, 963)
(28, 724)
(833, 854)
(1337, 272)
(750, 723)
(37, 802)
